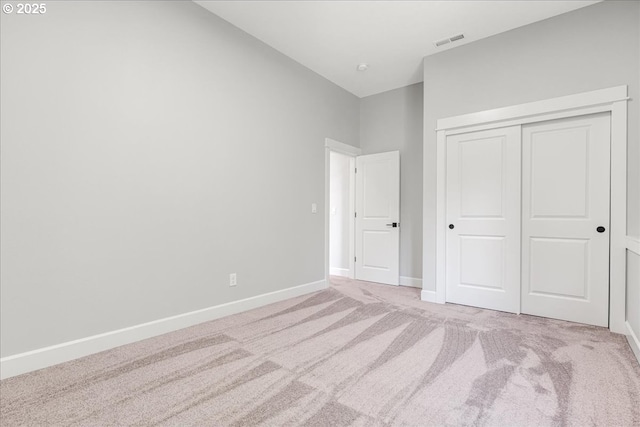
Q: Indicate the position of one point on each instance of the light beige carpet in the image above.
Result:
(356, 354)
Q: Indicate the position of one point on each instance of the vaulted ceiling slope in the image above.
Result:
(333, 37)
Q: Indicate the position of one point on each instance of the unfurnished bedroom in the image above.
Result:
(320, 213)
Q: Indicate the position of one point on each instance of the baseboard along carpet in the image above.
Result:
(356, 354)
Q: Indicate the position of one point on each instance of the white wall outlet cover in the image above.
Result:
(314, 208)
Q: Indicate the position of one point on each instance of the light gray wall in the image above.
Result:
(591, 48)
(339, 211)
(393, 121)
(149, 149)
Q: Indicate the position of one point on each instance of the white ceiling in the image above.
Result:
(333, 37)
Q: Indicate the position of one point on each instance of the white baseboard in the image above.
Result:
(11, 366)
(428, 296)
(334, 271)
(634, 342)
(410, 281)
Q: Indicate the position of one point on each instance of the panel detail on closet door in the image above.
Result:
(481, 178)
(559, 267)
(559, 168)
(482, 262)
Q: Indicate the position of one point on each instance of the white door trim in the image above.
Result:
(633, 246)
(612, 99)
(530, 111)
(351, 151)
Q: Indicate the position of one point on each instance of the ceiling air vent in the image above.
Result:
(449, 40)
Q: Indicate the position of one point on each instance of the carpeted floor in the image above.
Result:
(356, 354)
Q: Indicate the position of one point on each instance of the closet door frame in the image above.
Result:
(613, 100)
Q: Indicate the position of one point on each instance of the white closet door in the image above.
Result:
(565, 219)
(483, 219)
(378, 218)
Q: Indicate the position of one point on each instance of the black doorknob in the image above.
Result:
(450, 226)
(600, 229)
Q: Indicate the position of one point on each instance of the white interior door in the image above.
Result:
(378, 217)
(483, 219)
(565, 219)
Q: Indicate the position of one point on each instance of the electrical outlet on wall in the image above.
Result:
(232, 279)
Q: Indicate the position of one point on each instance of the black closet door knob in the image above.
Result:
(600, 229)
(450, 226)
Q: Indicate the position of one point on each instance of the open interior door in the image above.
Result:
(378, 217)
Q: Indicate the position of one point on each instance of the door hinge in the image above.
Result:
(355, 259)
(356, 170)
(355, 214)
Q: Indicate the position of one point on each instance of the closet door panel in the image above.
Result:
(565, 219)
(483, 219)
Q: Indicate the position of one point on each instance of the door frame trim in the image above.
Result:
(613, 100)
(352, 152)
